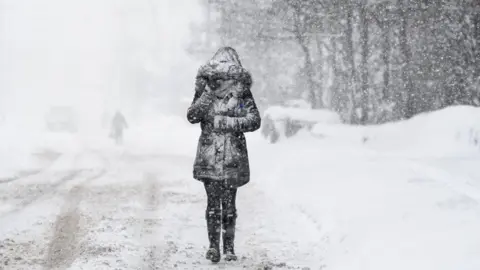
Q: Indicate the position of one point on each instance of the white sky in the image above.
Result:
(68, 51)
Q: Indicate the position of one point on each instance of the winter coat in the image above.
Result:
(222, 149)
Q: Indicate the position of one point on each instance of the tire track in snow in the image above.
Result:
(20, 175)
(44, 194)
(64, 246)
(50, 189)
(151, 205)
(121, 222)
(25, 247)
(170, 235)
(30, 252)
(47, 155)
(158, 252)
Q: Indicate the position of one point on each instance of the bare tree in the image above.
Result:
(406, 57)
(351, 62)
(408, 110)
(364, 104)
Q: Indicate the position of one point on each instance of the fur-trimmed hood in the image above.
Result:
(217, 70)
(226, 65)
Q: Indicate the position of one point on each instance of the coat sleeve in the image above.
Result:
(200, 104)
(249, 123)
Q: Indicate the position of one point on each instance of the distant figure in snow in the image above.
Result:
(118, 124)
(224, 106)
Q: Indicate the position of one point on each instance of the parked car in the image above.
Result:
(284, 122)
(61, 119)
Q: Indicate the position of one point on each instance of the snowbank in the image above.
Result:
(283, 122)
(308, 115)
(453, 129)
(374, 212)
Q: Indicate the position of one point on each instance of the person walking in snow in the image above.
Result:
(225, 108)
(118, 124)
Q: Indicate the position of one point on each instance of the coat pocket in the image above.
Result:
(235, 152)
(205, 151)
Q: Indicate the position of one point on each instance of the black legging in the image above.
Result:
(220, 200)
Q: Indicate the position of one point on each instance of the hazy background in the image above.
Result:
(371, 61)
(94, 55)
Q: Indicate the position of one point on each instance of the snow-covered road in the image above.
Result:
(332, 206)
(135, 212)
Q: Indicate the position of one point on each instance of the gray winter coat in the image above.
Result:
(222, 149)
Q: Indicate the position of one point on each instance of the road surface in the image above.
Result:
(342, 209)
(132, 212)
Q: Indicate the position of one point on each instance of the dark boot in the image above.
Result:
(213, 227)
(228, 235)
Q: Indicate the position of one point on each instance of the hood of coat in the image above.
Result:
(226, 65)
(226, 55)
(226, 71)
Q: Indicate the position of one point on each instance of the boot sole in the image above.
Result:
(213, 255)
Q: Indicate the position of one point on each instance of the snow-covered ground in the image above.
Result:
(398, 196)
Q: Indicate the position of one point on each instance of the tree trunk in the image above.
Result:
(364, 68)
(309, 72)
(308, 66)
(409, 109)
(476, 29)
(351, 62)
(386, 61)
(302, 40)
(320, 69)
(337, 99)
